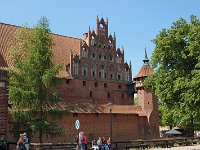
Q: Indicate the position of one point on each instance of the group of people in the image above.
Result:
(102, 144)
(23, 143)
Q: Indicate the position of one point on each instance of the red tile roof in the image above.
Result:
(145, 71)
(95, 108)
(63, 45)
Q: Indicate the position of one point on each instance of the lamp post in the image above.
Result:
(110, 105)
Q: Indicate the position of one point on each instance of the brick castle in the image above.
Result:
(96, 75)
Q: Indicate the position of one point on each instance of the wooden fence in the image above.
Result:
(120, 145)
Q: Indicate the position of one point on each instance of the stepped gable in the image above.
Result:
(62, 48)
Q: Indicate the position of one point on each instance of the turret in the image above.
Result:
(146, 98)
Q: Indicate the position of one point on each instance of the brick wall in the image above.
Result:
(76, 92)
(3, 110)
(125, 127)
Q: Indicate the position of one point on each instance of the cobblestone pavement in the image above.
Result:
(194, 147)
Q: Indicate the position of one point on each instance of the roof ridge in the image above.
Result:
(31, 28)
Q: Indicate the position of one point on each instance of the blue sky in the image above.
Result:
(135, 22)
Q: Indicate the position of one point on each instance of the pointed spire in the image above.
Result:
(97, 18)
(145, 60)
(107, 20)
(89, 28)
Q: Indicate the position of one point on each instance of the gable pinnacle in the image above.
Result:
(145, 60)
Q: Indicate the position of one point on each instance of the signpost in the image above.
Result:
(77, 125)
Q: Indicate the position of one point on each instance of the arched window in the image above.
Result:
(84, 70)
(93, 54)
(111, 69)
(118, 59)
(127, 78)
(111, 58)
(84, 53)
(92, 41)
(94, 71)
(102, 71)
(75, 68)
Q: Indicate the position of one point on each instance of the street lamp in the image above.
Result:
(110, 105)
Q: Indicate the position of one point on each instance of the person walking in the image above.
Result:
(26, 142)
(99, 143)
(109, 143)
(20, 142)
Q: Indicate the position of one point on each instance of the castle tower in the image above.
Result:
(146, 98)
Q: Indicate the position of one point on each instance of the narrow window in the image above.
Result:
(99, 74)
(93, 73)
(84, 83)
(119, 86)
(122, 96)
(95, 84)
(108, 95)
(105, 85)
(119, 77)
(84, 72)
(90, 93)
(111, 76)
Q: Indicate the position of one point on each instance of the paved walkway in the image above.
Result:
(194, 147)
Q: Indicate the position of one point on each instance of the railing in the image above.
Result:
(137, 144)
(169, 142)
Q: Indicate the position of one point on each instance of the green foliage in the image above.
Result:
(176, 59)
(32, 77)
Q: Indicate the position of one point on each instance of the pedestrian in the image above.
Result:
(20, 142)
(26, 141)
(99, 143)
(82, 141)
(109, 143)
(103, 143)
(94, 145)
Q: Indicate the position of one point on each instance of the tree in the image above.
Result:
(176, 59)
(32, 77)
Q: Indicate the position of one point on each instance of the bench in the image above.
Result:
(138, 146)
